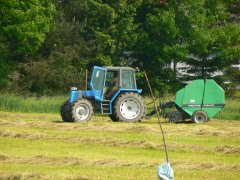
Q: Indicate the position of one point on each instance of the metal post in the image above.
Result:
(158, 116)
(86, 79)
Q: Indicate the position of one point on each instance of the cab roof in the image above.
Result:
(119, 68)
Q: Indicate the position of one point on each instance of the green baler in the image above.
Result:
(200, 100)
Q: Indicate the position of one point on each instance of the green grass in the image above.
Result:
(13, 103)
(231, 110)
(40, 146)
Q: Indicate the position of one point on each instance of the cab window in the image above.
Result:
(128, 79)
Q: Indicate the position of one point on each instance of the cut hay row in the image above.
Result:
(114, 142)
(76, 161)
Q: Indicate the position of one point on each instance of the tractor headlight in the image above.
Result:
(74, 89)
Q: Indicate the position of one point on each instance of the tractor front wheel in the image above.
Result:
(199, 117)
(82, 110)
(65, 112)
(129, 107)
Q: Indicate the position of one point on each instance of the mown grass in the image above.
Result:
(40, 146)
(13, 103)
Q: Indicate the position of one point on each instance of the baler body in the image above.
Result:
(201, 95)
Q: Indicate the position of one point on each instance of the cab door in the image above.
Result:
(111, 83)
(98, 82)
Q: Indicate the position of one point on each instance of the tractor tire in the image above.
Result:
(113, 118)
(199, 117)
(81, 110)
(65, 112)
(129, 107)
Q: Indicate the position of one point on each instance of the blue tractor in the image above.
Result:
(113, 92)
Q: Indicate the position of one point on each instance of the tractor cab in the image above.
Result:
(107, 81)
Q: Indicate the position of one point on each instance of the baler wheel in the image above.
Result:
(199, 117)
(172, 119)
(65, 112)
(81, 110)
(129, 107)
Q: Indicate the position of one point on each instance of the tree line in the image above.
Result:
(46, 45)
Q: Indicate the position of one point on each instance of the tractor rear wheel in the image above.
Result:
(129, 107)
(113, 118)
(199, 117)
(65, 112)
(82, 110)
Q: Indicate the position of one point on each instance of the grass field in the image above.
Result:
(40, 146)
(14, 103)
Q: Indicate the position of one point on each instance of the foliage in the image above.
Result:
(24, 24)
(59, 64)
(23, 28)
(152, 35)
(96, 21)
(52, 77)
(5, 70)
(197, 33)
(230, 81)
